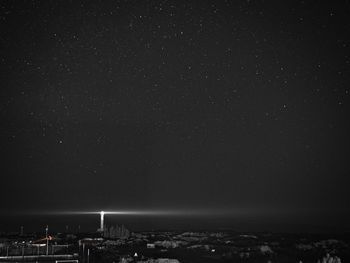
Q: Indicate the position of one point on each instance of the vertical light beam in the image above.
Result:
(102, 213)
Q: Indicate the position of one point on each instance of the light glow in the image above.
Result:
(157, 212)
(228, 211)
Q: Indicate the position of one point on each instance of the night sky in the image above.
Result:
(230, 105)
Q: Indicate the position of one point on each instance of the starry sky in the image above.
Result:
(237, 105)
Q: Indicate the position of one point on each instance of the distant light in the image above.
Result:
(161, 212)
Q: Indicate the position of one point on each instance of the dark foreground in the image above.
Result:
(173, 247)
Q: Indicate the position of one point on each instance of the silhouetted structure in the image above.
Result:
(116, 232)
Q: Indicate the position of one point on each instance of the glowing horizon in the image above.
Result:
(132, 212)
(218, 212)
(162, 212)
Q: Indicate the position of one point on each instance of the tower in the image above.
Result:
(102, 213)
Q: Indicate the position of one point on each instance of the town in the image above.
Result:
(116, 243)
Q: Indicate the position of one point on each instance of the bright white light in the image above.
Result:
(140, 212)
(102, 213)
(164, 212)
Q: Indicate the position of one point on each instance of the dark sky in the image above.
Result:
(237, 105)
